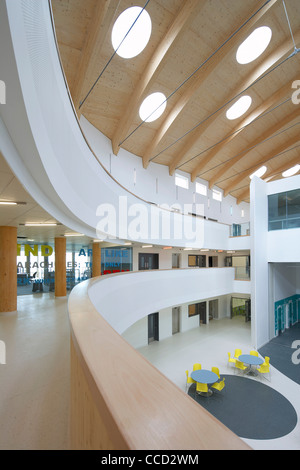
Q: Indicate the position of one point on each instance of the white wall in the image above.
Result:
(271, 254)
(155, 184)
(259, 263)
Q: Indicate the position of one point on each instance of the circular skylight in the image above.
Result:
(259, 173)
(152, 107)
(131, 32)
(239, 107)
(254, 45)
(292, 171)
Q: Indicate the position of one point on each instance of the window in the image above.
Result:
(217, 195)
(181, 181)
(201, 189)
(131, 32)
(259, 173)
(239, 107)
(197, 260)
(284, 210)
(153, 107)
(254, 45)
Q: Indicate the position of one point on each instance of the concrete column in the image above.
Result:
(8, 269)
(96, 266)
(60, 267)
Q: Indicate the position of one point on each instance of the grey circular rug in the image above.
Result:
(250, 408)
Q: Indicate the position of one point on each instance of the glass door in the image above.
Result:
(148, 261)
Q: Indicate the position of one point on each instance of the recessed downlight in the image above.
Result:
(292, 171)
(131, 32)
(239, 107)
(259, 173)
(152, 107)
(254, 45)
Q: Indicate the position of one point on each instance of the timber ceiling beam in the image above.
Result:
(272, 101)
(99, 27)
(181, 21)
(271, 61)
(243, 153)
(203, 73)
(246, 193)
(273, 154)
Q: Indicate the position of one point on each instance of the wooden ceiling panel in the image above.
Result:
(191, 58)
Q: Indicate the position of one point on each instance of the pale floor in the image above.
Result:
(34, 383)
(209, 345)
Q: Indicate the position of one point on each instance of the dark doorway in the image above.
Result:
(148, 261)
(153, 328)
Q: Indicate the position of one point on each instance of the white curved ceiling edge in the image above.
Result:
(45, 132)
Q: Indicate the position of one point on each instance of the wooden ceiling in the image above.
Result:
(191, 59)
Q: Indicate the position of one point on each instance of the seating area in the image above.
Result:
(204, 378)
(209, 380)
(245, 364)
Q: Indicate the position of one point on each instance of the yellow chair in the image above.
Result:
(231, 360)
(265, 368)
(189, 380)
(197, 367)
(219, 385)
(254, 353)
(239, 365)
(216, 371)
(237, 353)
(201, 388)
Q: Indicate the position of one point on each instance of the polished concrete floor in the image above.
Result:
(34, 382)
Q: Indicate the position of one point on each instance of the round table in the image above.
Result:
(204, 376)
(251, 361)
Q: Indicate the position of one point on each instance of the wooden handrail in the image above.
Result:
(121, 401)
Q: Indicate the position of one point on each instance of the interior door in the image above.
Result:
(175, 320)
(153, 327)
(148, 261)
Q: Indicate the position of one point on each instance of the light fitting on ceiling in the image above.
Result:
(292, 171)
(260, 172)
(239, 107)
(33, 224)
(254, 45)
(153, 107)
(131, 32)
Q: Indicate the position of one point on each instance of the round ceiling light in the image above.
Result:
(292, 171)
(259, 173)
(254, 45)
(131, 32)
(239, 107)
(152, 107)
